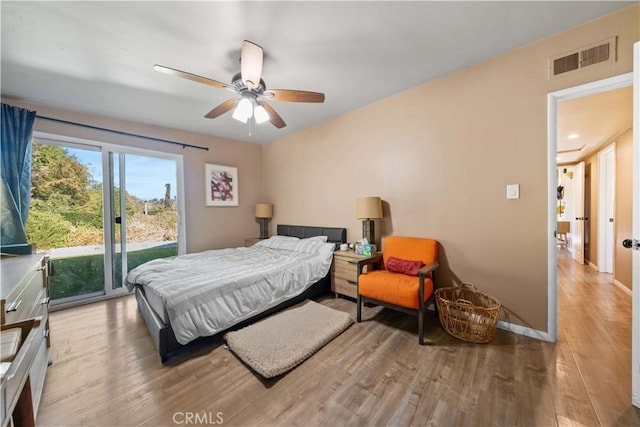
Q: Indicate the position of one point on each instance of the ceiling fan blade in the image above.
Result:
(287, 95)
(227, 105)
(274, 117)
(189, 76)
(251, 64)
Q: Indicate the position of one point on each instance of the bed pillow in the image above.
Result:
(397, 265)
(321, 238)
(312, 245)
(278, 239)
(279, 242)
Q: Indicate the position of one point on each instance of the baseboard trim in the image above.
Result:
(523, 330)
(518, 329)
(592, 265)
(623, 287)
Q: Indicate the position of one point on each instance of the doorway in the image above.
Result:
(100, 210)
(597, 87)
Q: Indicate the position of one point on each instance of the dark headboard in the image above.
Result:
(334, 234)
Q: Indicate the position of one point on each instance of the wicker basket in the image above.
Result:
(468, 314)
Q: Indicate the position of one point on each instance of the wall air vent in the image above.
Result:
(597, 53)
(566, 63)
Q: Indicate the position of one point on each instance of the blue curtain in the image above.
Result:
(15, 189)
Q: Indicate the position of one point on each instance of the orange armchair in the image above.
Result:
(404, 281)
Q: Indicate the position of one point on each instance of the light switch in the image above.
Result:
(513, 191)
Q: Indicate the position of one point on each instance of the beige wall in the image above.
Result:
(206, 227)
(441, 156)
(623, 208)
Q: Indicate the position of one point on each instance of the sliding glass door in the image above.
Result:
(145, 211)
(101, 210)
(66, 216)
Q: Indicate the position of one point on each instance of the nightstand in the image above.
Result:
(344, 273)
(250, 241)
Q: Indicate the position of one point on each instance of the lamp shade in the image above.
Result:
(243, 111)
(264, 210)
(260, 114)
(368, 207)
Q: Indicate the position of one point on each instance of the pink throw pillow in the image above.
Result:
(397, 265)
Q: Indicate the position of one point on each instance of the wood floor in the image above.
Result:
(105, 372)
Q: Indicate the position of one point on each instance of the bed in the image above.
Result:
(180, 309)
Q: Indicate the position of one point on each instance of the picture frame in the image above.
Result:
(221, 185)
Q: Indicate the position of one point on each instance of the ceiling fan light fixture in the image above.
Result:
(260, 114)
(243, 111)
(249, 105)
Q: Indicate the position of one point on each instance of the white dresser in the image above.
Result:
(24, 304)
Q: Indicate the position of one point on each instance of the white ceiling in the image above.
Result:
(97, 57)
(589, 123)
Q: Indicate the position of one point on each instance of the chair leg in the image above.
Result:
(359, 309)
(421, 327)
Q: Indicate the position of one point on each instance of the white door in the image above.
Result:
(577, 222)
(635, 274)
(607, 161)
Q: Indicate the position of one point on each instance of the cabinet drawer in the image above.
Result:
(37, 375)
(21, 307)
(344, 287)
(18, 373)
(344, 269)
(40, 305)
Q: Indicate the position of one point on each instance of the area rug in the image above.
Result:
(281, 342)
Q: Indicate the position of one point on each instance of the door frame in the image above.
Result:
(105, 148)
(553, 98)
(611, 83)
(635, 269)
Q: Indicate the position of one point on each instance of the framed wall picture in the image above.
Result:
(221, 185)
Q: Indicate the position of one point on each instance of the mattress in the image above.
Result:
(204, 293)
(156, 303)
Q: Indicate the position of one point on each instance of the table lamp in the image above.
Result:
(368, 209)
(264, 212)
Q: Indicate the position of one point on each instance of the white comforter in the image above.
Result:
(207, 292)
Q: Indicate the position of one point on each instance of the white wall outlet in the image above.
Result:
(513, 191)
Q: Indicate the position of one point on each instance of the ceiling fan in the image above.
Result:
(250, 105)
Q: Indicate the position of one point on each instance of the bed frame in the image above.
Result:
(162, 334)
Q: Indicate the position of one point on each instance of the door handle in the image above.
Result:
(13, 306)
(631, 244)
(118, 220)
